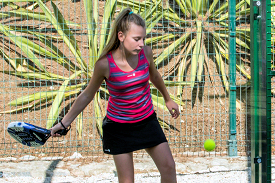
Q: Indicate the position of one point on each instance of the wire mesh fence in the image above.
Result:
(49, 48)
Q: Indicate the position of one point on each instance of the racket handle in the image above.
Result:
(63, 131)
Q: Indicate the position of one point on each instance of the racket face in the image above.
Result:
(28, 134)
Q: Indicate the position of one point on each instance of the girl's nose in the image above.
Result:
(141, 43)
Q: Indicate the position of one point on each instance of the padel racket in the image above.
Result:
(31, 135)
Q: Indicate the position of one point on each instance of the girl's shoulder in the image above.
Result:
(102, 65)
(102, 62)
(148, 51)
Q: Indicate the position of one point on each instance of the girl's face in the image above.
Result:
(133, 40)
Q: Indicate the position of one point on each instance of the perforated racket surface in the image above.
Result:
(30, 135)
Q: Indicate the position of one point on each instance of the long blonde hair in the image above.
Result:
(122, 23)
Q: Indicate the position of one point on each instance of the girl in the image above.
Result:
(126, 65)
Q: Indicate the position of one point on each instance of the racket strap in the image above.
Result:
(62, 124)
(65, 130)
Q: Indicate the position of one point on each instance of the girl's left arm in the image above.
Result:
(156, 79)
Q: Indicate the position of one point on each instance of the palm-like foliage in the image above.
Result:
(34, 70)
(31, 49)
(202, 36)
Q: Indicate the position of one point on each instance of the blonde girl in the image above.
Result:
(131, 124)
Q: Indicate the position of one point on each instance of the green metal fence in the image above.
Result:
(270, 86)
(47, 57)
(262, 128)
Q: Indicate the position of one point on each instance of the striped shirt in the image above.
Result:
(130, 98)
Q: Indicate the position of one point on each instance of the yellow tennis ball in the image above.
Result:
(209, 145)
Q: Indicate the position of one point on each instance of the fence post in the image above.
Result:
(270, 75)
(232, 142)
(261, 91)
(254, 46)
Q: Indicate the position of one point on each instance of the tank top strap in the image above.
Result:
(111, 61)
(142, 57)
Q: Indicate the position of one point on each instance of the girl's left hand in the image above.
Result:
(173, 108)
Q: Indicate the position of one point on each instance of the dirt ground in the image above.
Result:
(205, 114)
(195, 170)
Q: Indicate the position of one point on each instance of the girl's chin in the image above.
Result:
(136, 51)
(133, 52)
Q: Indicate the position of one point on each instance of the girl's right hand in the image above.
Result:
(55, 128)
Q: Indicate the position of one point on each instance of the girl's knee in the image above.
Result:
(168, 173)
(169, 167)
(172, 166)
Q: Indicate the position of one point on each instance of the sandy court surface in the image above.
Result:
(189, 169)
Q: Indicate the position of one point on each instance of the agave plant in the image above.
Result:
(31, 49)
(203, 27)
(79, 67)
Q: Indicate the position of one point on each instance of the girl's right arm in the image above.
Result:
(101, 71)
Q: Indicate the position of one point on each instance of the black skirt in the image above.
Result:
(120, 138)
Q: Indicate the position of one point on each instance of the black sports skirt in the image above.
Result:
(120, 138)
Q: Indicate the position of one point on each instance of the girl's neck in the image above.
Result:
(122, 54)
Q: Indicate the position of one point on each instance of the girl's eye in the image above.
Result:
(137, 39)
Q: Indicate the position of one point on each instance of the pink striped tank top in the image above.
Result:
(130, 99)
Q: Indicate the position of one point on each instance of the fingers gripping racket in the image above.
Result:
(31, 135)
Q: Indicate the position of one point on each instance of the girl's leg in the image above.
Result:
(125, 167)
(164, 161)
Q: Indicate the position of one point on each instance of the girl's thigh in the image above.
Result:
(125, 167)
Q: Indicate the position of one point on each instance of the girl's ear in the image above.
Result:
(121, 36)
